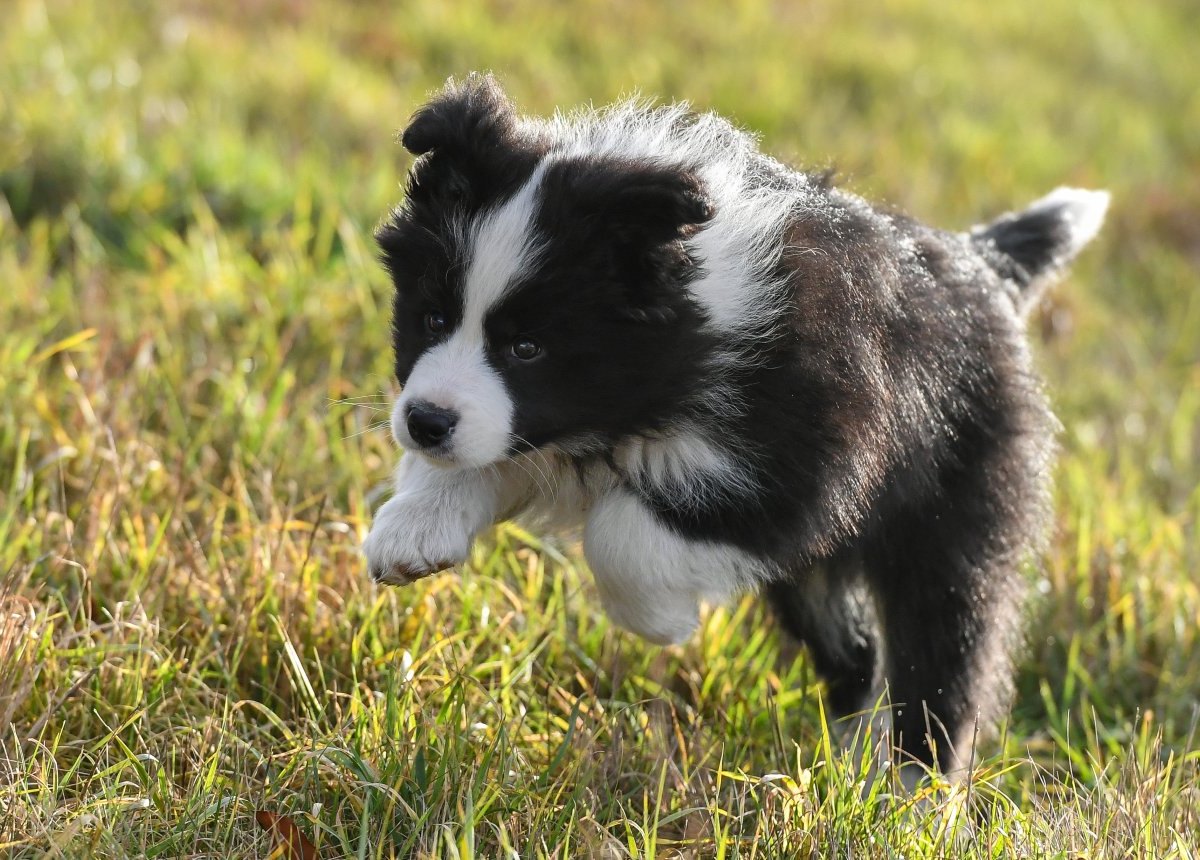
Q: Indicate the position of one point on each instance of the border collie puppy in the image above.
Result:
(731, 376)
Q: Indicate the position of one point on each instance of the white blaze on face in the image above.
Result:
(455, 374)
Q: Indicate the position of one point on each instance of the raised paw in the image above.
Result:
(409, 541)
(401, 573)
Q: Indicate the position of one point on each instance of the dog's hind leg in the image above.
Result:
(948, 590)
(947, 661)
(830, 610)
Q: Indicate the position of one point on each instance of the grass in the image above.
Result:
(193, 368)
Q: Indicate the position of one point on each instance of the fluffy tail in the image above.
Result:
(1031, 247)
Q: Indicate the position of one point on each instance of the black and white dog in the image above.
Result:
(732, 376)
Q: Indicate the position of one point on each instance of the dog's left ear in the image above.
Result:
(645, 205)
(646, 211)
(660, 204)
(465, 121)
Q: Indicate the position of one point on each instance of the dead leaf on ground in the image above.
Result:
(289, 843)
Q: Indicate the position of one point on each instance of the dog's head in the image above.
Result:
(540, 290)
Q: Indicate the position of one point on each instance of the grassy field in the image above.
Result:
(194, 367)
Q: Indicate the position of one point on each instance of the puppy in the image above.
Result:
(732, 376)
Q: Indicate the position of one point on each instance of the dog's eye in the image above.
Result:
(435, 322)
(525, 349)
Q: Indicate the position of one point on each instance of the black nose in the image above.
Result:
(429, 425)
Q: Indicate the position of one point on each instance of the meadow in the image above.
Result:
(194, 375)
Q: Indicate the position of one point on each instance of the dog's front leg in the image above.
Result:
(651, 579)
(434, 516)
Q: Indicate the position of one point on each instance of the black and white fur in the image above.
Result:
(732, 376)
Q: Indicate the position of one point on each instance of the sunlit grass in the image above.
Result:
(194, 360)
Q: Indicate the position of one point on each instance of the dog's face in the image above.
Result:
(540, 294)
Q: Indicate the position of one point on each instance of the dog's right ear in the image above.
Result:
(466, 120)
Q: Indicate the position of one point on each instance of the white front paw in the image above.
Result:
(409, 541)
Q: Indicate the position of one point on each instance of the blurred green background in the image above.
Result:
(194, 356)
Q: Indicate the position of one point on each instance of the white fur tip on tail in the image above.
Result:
(1082, 213)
